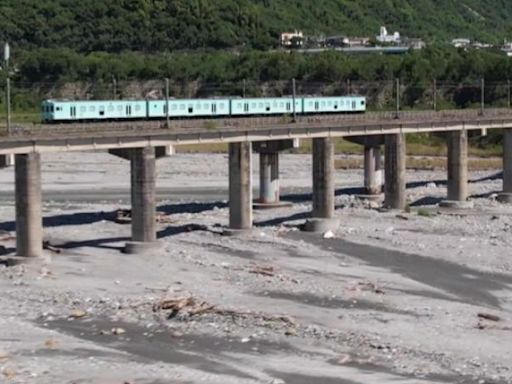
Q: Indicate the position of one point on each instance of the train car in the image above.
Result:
(265, 106)
(61, 110)
(334, 104)
(180, 108)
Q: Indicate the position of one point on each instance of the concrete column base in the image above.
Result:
(263, 206)
(456, 204)
(240, 232)
(142, 248)
(505, 197)
(318, 225)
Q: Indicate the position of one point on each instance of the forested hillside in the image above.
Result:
(163, 25)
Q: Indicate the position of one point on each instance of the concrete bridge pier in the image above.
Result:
(395, 161)
(322, 216)
(457, 171)
(506, 195)
(269, 178)
(240, 186)
(143, 196)
(29, 222)
(372, 170)
(269, 172)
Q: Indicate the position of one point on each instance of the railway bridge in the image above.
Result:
(142, 142)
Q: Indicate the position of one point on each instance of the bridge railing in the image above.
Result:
(79, 129)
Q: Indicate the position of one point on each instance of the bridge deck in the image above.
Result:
(87, 136)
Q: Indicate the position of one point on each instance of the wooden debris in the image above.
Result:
(123, 216)
(488, 316)
(265, 271)
(51, 248)
(194, 307)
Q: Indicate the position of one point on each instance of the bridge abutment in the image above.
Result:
(322, 216)
(29, 222)
(143, 196)
(240, 186)
(395, 161)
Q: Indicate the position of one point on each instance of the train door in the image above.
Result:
(353, 105)
(128, 111)
(72, 112)
(317, 105)
(214, 108)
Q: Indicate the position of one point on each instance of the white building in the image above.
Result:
(461, 43)
(384, 37)
(288, 37)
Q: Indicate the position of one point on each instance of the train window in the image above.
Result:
(362, 102)
(310, 103)
(137, 107)
(335, 106)
(329, 103)
(102, 113)
(206, 107)
(198, 106)
(221, 105)
(182, 107)
(253, 105)
(174, 107)
(281, 105)
(120, 108)
(323, 103)
(190, 110)
(261, 105)
(288, 106)
(52, 109)
(268, 108)
(92, 108)
(111, 108)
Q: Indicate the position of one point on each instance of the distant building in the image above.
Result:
(461, 43)
(507, 48)
(292, 39)
(358, 41)
(414, 43)
(336, 41)
(384, 37)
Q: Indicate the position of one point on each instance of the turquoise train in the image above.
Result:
(54, 111)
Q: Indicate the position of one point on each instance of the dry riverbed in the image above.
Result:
(422, 296)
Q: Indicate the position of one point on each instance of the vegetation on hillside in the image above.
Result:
(154, 26)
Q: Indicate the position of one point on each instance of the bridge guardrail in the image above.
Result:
(78, 129)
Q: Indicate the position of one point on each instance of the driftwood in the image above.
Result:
(194, 307)
(265, 271)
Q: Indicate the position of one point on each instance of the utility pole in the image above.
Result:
(397, 86)
(243, 88)
(167, 123)
(7, 54)
(434, 94)
(294, 90)
(508, 94)
(482, 96)
(349, 87)
(114, 87)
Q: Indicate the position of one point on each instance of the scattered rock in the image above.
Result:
(77, 314)
(118, 331)
(51, 344)
(328, 235)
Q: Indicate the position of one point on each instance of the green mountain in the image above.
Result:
(163, 25)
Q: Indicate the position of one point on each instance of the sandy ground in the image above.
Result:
(391, 298)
